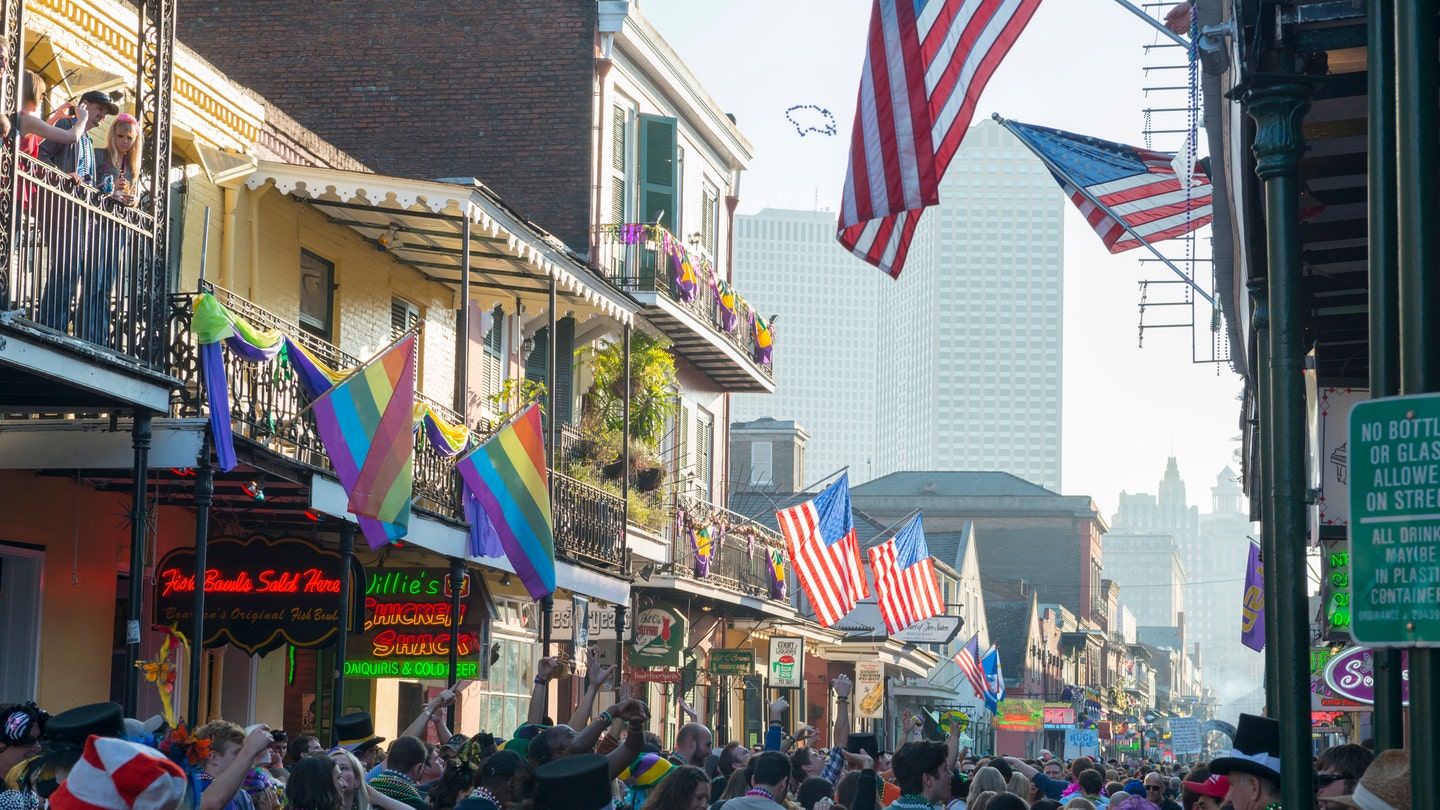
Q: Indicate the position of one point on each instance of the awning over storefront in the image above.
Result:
(423, 222)
(910, 659)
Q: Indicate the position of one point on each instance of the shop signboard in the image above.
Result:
(260, 593)
(1081, 742)
(660, 634)
(934, 630)
(787, 662)
(1394, 526)
(1020, 713)
(405, 626)
(1350, 675)
(1185, 735)
(1059, 715)
(732, 662)
(601, 622)
(655, 675)
(868, 697)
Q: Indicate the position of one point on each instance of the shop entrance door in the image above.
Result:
(20, 578)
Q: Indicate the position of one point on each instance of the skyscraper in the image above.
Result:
(831, 328)
(955, 366)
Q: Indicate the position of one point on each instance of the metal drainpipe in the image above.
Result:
(140, 437)
(1417, 83)
(1260, 325)
(1384, 335)
(1278, 104)
(204, 497)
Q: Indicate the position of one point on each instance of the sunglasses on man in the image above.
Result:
(1324, 780)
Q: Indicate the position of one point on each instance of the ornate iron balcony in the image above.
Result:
(589, 523)
(740, 559)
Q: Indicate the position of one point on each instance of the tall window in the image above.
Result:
(317, 295)
(761, 464)
(619, 162)
(709, 218)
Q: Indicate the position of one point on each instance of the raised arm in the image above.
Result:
(228, 781)
(595, 676)
(543, 670)
(776, 733)
(32, 125)
(417, 726)
(621, 758)
(842, 686)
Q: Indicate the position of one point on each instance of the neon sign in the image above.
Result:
(406, 625)
(409, 669)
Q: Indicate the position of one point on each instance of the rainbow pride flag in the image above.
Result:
(367, 425)
(508, 476)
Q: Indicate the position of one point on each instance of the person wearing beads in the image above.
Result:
(834, 765)
(768, 787)
(921, 772)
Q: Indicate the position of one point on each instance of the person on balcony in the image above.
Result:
(67, 233)
(33, 129)
(117, 165)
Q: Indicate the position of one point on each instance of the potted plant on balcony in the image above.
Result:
(652, 403)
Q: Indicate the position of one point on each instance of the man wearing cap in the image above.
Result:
(1253, 765)
(356, 734)
(78, 159)
(1206, 794)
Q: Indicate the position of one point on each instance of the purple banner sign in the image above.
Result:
(1351, 675)
(1252, 605)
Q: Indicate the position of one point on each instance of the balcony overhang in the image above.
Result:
(92, 444)
(908, 658)
(449, 539)
(422, 223)
(43, 371)
(707, 350)
(720, 594)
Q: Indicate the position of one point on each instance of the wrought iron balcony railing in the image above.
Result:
(265, 400)
(85, 264)
(589, 523)
(740, 561)
(636, 260)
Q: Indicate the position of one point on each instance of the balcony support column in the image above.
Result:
(337, 694)
(12, 25)
(204, 497)
(550, 393)
(625, 439)
(457, 579)
(462, 328)
(1278, 104)
(547, 611)
(620, 640)
(140, 438)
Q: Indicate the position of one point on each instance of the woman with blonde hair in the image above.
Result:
(1020, 786)
(117, 168)
(355, 792)
(981, 800)
(988, 779)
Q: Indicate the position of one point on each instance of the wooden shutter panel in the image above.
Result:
(657, 169)
(535, 364)
(404, 316)
(709, 207)
(494, 350)
(704, 436)
(617, 133)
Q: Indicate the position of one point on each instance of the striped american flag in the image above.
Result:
(926, 63)
(905, 585)
(820, 537)
(1110, 182)
(968, 659)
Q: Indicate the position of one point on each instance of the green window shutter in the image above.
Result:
(564, 364)
(617, 200)
(618, 115)
(709, 209)
(657, 169)
(404, 316)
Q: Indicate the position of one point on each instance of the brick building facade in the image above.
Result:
(499, 91)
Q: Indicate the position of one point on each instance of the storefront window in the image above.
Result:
(504, 700)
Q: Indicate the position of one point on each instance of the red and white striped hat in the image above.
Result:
(116, 774)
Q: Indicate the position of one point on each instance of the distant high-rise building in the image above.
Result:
(955, 366)
(831, 330)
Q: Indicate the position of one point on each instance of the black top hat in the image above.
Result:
(355, 732)
(869, 743)
(1256, 751)
(66, 734)
(574, 783)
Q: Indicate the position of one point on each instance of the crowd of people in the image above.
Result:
(90, 758)
(86, 255)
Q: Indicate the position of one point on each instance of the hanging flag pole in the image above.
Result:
(1080, 188)
(1154, 23)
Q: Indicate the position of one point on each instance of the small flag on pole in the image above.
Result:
(367, 424)
(1252, 606)
(994, 678)
(905, 585)
(968, 659)
(508, 476)
(820, 537)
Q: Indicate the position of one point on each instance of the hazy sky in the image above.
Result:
(1079, 65)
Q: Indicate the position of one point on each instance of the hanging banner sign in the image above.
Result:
(260, 593)
(732, 662)
(660, 634)
(1185, 735)
(869, 701)
(582, 624)
(405, 625)
(787, 662)
(601, 623)
(655, 675)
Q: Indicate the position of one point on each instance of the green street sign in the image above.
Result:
(1394, 451)
(732, 662)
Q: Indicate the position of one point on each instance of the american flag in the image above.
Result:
(820, 537)
(968, 659)
(905, 585)
(1110, 182)
(926, 63)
